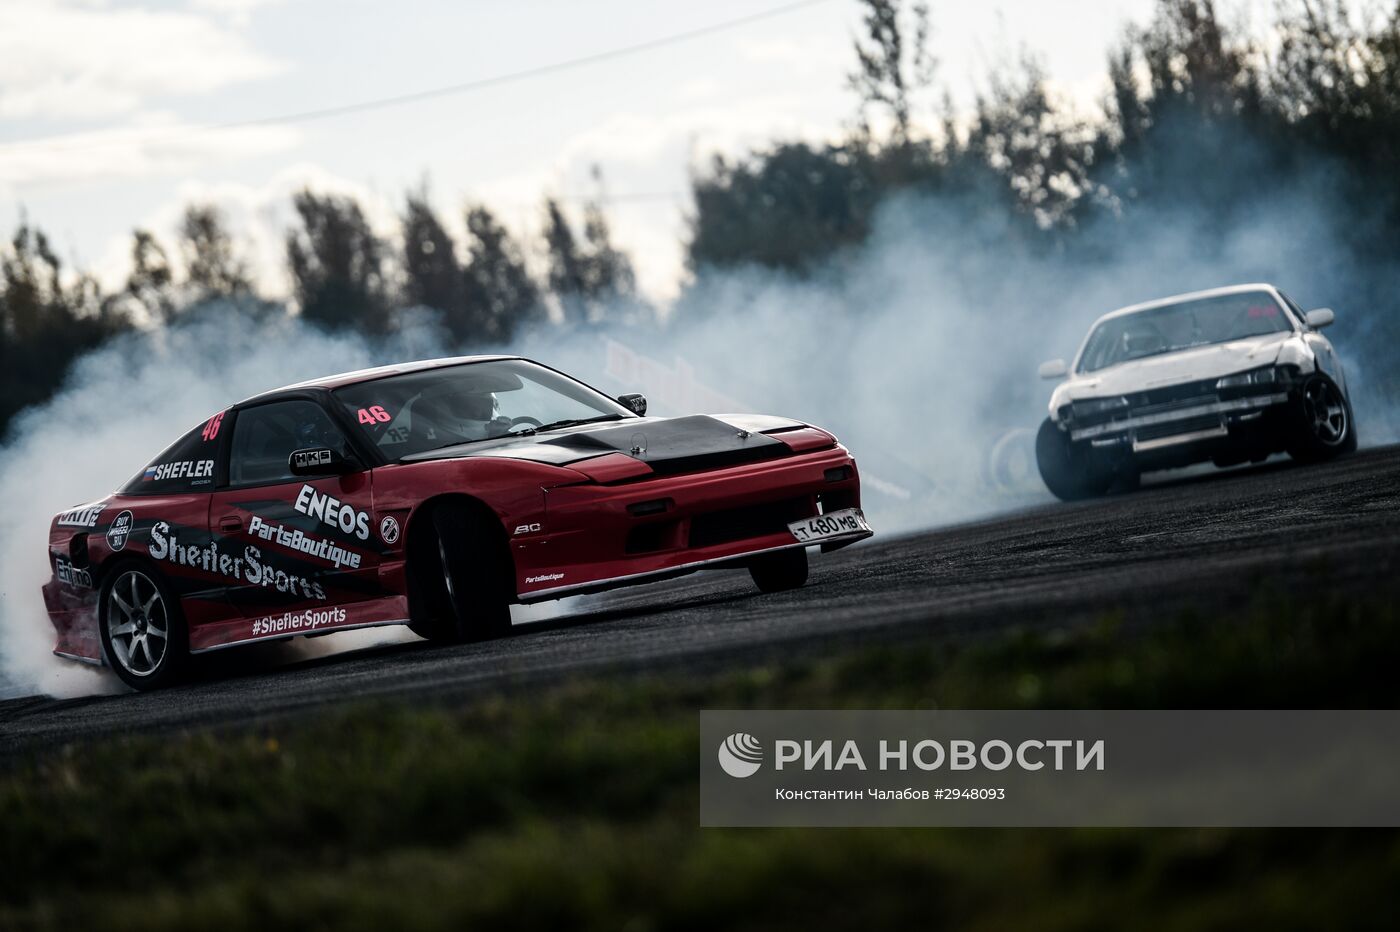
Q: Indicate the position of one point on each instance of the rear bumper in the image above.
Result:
(74, 618)
(598, 536)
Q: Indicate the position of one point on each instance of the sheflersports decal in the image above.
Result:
(165, 545)
(307, 620)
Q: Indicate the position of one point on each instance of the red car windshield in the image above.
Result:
(1174, 327)
(419, 411)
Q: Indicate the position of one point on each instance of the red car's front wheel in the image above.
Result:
(780, 571)
(462, 575)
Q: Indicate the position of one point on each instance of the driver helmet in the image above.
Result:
(1142, 341)
(471, 408)
(317, 433)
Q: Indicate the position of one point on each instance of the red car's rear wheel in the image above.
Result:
(141, 626)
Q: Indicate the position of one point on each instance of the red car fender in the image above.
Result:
(512, 489)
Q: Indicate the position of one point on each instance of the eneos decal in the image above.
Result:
(332, 512)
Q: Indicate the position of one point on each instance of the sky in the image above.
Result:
(105, 106)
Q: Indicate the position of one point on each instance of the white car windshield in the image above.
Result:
(1175, 327)
(420, 411)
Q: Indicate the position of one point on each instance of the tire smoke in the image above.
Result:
(919, 349)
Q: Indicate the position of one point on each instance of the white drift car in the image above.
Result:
(1229, 375)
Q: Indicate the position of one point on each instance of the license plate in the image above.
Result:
(836, 524)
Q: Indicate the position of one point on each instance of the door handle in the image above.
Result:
(230, 524)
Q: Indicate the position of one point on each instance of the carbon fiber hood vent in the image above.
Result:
(683, 444)
(667, 445)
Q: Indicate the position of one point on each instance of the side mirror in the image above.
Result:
(319, 461)
(637, 403)
(1054, 369)
(1322, 317)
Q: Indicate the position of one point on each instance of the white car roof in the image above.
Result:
(1177, 299)
(1189, 296)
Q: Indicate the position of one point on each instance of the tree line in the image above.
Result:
(1199, 118)
(1198, 115)
(344, 277)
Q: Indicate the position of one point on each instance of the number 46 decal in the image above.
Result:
(374, 415)
(211, 427)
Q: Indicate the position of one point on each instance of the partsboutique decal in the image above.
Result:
(249, 568)
(308, 620)
(333, 512)
(302, 542)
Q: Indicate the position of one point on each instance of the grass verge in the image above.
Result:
(576, 805)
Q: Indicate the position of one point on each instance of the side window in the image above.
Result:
(265, 437)
(187, 466)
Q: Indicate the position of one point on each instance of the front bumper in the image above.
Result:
(599, 536)
(1155, 431)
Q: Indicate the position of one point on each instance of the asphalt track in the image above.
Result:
(1206, 543)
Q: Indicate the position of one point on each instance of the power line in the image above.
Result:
(55, 143)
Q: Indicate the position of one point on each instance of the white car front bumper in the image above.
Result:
(1192, 430)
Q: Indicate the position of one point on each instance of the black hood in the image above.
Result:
(667, 445)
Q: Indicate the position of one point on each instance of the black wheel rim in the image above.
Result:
(1326, 412)
(447, 580)
(138, 623)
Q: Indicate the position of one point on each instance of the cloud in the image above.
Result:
(703, 88)
(650, 155)
(640, 154)
(65, 60)
(258, 215)
(158, 143)
(806, 54)
(239, 11)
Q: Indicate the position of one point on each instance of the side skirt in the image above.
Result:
(716, 563)
(92, 661)
(300, 634)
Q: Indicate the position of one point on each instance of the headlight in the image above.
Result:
(1274, 375)
(1095, 406)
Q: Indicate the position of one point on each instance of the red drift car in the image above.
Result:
(432, 494)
